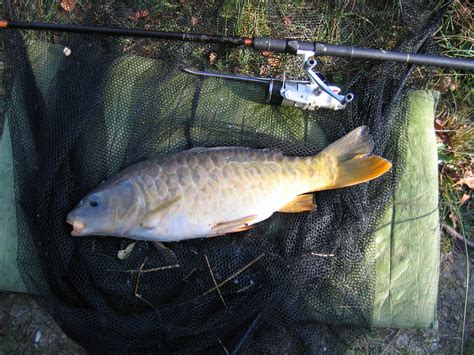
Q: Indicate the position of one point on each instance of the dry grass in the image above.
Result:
(454, 122)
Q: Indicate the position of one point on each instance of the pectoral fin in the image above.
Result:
(153, 217)
(234, 226)
(300, 204)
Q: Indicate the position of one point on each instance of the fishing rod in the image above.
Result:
(311, 94)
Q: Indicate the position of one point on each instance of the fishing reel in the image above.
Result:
(306, 94)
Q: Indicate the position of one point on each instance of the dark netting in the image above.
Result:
(296, 283)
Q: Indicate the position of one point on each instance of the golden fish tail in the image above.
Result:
(348, 162)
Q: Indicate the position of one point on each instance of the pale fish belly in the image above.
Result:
(224, 186)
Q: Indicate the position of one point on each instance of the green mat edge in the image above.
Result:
(411, 249)
(10, 279)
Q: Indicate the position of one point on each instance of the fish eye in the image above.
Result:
(94, 201)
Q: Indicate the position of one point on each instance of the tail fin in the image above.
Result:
(347, 162)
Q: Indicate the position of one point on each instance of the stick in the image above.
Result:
(244, 288)
(235, 274)
(192, 271)
(214, 279)
(248, 332)
(452, 232)
(222, 344)
(136, 285)
(322, 255)
(166, 267)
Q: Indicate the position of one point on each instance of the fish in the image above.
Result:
(209, 192)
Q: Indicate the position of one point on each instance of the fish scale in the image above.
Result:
(235, 197)
(206, 192)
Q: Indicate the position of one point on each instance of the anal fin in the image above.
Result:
(300, 204)
(234, 226)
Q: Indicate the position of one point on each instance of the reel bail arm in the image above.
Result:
(308, 65)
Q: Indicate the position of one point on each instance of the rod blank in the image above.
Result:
(380, 54)
(127, 32)
(321, 49)
(259, 43)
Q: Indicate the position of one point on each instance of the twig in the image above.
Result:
(389, 335)
(466, 289)
(222, 344)
(192, 271)
(323, 255)
(166, 267)
(244, 288)
(452, 232)
(139, 296)
(234, 274)
(248, 332)
(214, 279)
(391, 340)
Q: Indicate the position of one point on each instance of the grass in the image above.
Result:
(249, 18)
(455, 132)
(456, 138)
(455, 35)
(454, 125)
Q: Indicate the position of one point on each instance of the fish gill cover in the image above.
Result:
(295, 283)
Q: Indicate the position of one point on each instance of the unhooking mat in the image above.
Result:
(407, 241)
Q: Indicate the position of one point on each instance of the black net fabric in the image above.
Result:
(296, 283)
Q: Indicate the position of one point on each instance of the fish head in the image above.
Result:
(108, 210)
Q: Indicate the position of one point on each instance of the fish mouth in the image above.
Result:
(78, 226)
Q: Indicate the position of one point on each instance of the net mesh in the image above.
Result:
(296, 283)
